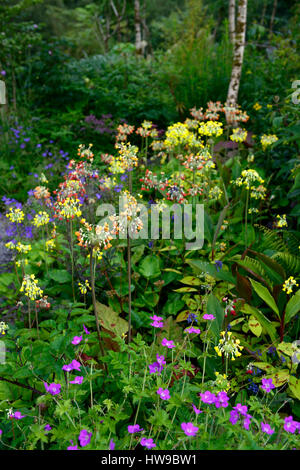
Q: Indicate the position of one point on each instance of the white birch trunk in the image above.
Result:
(231, 19)
(138, 27)
(239, 47)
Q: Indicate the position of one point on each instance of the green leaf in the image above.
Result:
(214, 308)
(293, 307)
(191, 281)
(254, 326)
(60, 275)
(265, 323)
(110, 320)
(265, 295)
(150, 267)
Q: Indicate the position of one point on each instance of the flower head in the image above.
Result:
(169, 344)
(134, 428)
(267, 385)
(147, 443)
(266, 428)
(78, 380)
(289, 284)
(189, 429)
(84, 438)
(53, 388)
(163, 393)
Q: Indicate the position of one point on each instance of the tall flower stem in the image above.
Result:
(246, 219)
(72, 257)
(129, 286)
(92, 274)
(129, 266)
(37, 321)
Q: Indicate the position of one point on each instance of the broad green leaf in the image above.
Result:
(191, 281)
(214, 308)
(254, 326)
(150, 267)
(279, 378)
(265, 323)
(110, 320)
(265, 295)
(60, 275)
(293, 307)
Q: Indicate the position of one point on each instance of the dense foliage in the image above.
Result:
(118, 332)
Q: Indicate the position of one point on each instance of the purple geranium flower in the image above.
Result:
(163, 393)
(84, 437)
(47, 427)
(208, 397)
(189, 429)
(17, 415)
(192, 329)
(86, 330)
(242, 409)
(157, 321)
(147, 443)
(169, 344)
(290, 425)
(134, 428)
(76, 340)
(234, 416)
(112, 445)
(222, 400)
(155, 367)
(53, 388)
(208, 317)
(160, 359)
(266, 428)
(78, 380)
(197, 411)
(267, 385)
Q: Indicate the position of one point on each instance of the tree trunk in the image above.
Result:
(231, 18)
(239, 47)
(138, 27)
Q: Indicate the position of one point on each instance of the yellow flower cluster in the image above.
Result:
(229, 346)
(15, 215)
(257, 106)
(84, 287)
(179, 135)
(281, 222)
(30, 287)
(126, 160)
(238, 135)
(211, 128)
(215, 193)
(247, 178)
(69, 208)
(221, 382)
(258, 192)
(20, 247)
(41, 219)
(267, 140)
(289, 284)
(50, 244)
(3, 327)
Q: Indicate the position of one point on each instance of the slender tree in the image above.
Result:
(138, 27)
(231, 18)
(238, 55)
